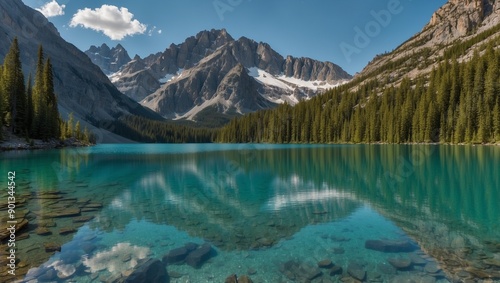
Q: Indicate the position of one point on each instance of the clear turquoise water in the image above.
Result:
(263, 205)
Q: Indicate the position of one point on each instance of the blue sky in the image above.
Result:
(348, 33)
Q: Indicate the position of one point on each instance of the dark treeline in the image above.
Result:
(455, 103)
(30, 111)
(149, 131)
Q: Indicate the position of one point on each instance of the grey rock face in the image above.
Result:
(81, 87)
(212, 70)
(455, 21)
(181, 56)
(109, 60)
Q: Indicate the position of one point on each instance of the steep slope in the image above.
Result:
(109, 60)
(455, 22)
(141, 77)
(188, 78)
(81, 87)
(203, 88)
(440, 86)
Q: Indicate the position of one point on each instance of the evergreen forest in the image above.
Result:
(29, 109)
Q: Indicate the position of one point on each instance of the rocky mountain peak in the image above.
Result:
(81, 87)
(459, 17)
(455, 21)
(110, 60)
(213, 72)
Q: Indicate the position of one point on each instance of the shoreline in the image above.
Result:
(22, 144)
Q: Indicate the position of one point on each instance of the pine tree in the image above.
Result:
(496, 119)
(86, 135)
(1, 101)
(38, 97)
(29, 105)
(13, 89)
(52, 129)
(69, 129)
(78, 131)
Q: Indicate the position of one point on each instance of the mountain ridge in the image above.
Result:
(455, 21)
(161, 81)
(81, 87)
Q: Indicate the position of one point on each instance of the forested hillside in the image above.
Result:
(458, 102)
(30, 110)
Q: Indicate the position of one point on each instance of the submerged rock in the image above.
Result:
(326, 263)
(231, 279)
(431, 268)
(390, 246)
(198, 257)
(356, 271)
(175, 256)
(400, 263)
(178, 255)
(335, 270)
(417, 260)
(66, 231)
(149, 271)
(42, 231)
(52, 247)
(298, 271)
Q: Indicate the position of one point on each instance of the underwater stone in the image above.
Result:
(326, 263)
(400, 263)
(417, 260)
(42, 231)
(431, 268)
(83, 219)
(177, 255)
(356, 271)
(386, 268)
(66, 231)
(52, 247)
(191, 246)
(309, 272)
(231, 279)
(149, 271)
(198, 257)
(69, 212)
(335, 270)
(388, 246)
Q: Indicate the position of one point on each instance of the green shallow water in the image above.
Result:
(261, 207)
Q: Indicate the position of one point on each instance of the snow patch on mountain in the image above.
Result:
(288, 83)
(171, 77)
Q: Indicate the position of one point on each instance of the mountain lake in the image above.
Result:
(272, 213)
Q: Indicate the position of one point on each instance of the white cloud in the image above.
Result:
(114, 22)
(151, 31)
(52, 9)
